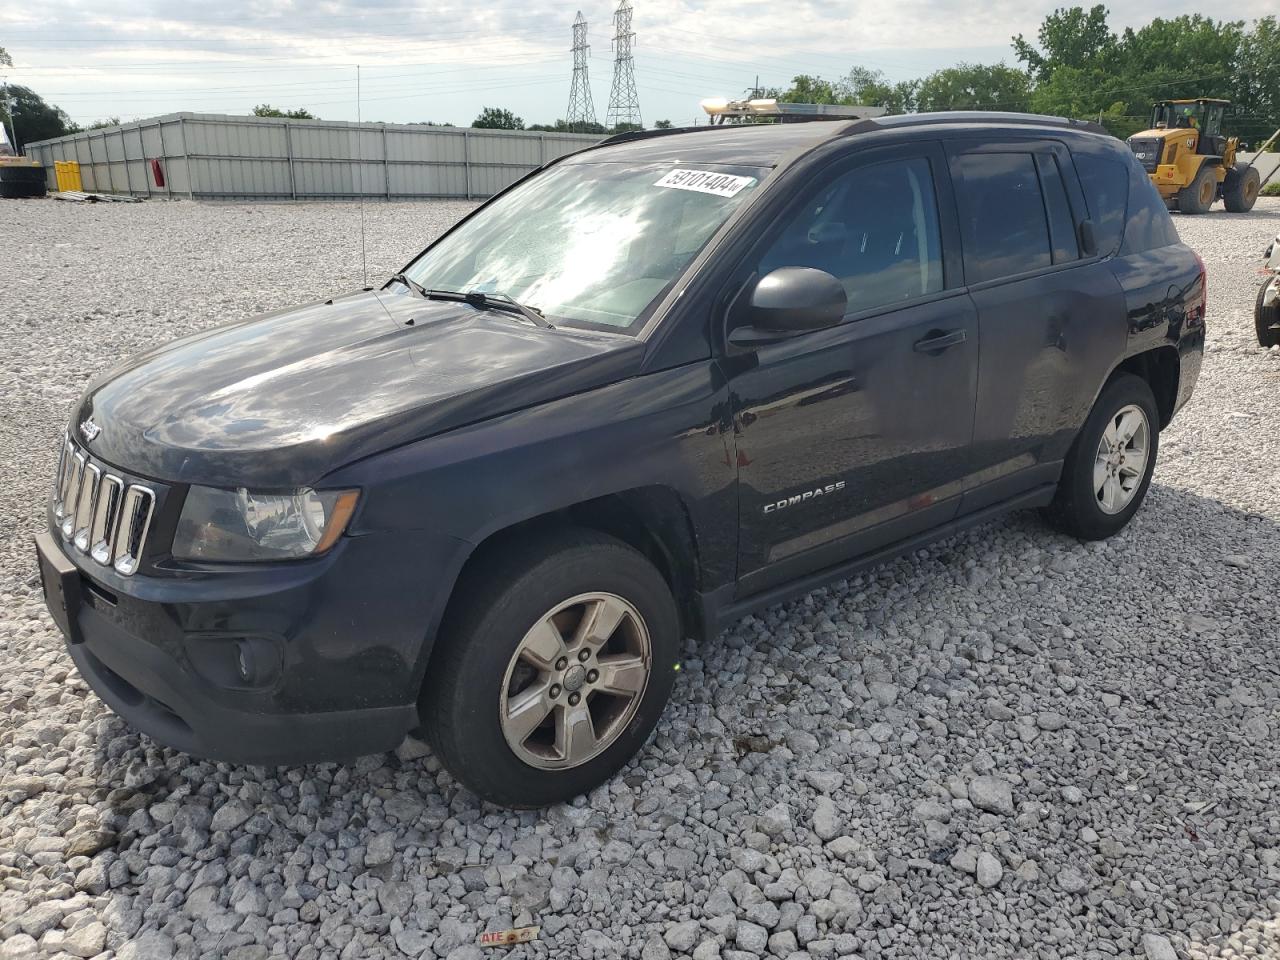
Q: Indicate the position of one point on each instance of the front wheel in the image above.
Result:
(1199, 194)
(1109, 466)
(552, 669)
(1240, 188)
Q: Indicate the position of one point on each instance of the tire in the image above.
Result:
(1199, 194)
(1240, 188)
(1266, 317)
(1077, 507)
(497, 626)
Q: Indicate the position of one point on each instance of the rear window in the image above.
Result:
(1149, 225)
(1002, 220)
(1106, 191)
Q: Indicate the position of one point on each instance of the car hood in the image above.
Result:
(281, 400)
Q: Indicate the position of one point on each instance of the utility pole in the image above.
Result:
(582, 111)
(624, 101)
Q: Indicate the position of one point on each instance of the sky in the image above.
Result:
(445, 61)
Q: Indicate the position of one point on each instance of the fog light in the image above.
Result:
(244, 661)
(236, 662)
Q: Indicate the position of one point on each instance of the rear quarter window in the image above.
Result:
(1149, 225)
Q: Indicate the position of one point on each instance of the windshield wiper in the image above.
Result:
(489, 301)
(412, 284)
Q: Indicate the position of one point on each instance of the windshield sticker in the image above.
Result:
(705, 181)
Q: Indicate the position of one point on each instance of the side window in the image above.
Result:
(1062, 226)
(1002, 220)
(1149, 225)
(1106, 191)
(875, 229)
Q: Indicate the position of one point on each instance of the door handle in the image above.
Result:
(938, 340)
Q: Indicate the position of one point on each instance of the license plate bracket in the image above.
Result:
(62, 587)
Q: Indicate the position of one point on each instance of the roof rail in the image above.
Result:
(868, 124)
(984, 116)
(628, 135)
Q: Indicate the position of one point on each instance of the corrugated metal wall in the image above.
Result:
(214, 157)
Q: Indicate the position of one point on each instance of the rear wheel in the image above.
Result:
(1109, 466)
(1199, 194)
(552, 668)
(1240, 189)
(1266, 316)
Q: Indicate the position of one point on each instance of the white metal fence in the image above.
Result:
(216, 157)
(1267, 164)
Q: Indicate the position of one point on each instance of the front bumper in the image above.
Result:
(341, 643)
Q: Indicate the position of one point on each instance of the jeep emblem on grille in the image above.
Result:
(90, 430)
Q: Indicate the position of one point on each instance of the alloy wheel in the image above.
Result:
(575, 681)
(1121, 459)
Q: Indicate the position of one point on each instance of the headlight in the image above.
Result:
(240, 525)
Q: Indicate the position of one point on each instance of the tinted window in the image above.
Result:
(1106, 191)
(1002, 216)
(1062, 226)
(874, 228)
(1149, 224)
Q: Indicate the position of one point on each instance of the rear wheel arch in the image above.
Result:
(1161, 368)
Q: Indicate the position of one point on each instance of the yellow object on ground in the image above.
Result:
(67, 175)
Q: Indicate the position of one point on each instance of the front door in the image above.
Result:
(856, 436)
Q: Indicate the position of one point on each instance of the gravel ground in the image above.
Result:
(1007, 745)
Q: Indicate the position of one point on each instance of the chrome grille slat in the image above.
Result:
(135, 520)
(72, 496)
(106, 517)
(99, 513)
(85, 505)
(58, 478)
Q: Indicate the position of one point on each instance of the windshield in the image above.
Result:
(1178, 115)
(590, 244)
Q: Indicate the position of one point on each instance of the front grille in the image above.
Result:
(1147, 150)
(99, 513)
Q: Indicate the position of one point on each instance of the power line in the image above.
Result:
(624, 99)
(582, 110)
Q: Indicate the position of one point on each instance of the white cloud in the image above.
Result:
(445, 61)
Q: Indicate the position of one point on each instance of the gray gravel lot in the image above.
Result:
(1007, 745)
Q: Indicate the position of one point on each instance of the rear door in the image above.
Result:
(853, 437)
(1051, 317)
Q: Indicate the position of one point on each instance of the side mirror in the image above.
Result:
(790, 301)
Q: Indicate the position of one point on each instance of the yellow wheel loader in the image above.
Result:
(1189, 159)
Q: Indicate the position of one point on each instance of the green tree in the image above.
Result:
(1070, 37)
(662, 125)
(561, 126)
(974, 86)
(267, 110)
(104, 122)
(866, 86)
(496, 118)
(33, 118)
(1186, 56)
(859, 86)
(5, 59)
(807, 89)
(1257, 85)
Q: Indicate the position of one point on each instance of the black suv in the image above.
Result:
(652, 386)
